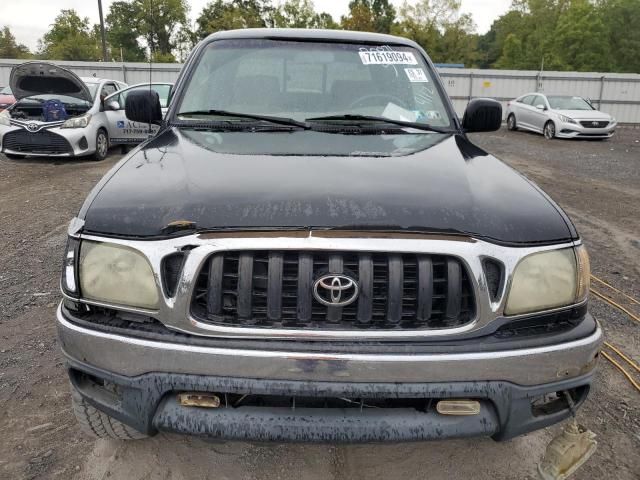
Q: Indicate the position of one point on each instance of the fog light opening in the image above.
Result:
(199, 399)
(458, 407)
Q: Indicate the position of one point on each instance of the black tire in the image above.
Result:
(97, 424)
(549, 130)
(102, 145)
(511, 123)
(14, 156)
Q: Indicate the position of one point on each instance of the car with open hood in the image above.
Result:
(559, 116)
(311, 248)
(59, 114)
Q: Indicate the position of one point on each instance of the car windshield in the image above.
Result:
(304, 80)
(6, 91)
(93, 88)
(566, 102)
(52, 96)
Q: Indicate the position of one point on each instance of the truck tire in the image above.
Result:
(97, 424)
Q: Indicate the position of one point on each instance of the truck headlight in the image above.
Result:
(77, 122)
(116, 274)
(69, 282)
(549, 279)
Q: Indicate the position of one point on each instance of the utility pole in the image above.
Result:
(104, 41)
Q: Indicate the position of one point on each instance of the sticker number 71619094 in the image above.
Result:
(387, 57)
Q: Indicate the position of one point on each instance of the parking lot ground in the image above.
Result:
(598, 183)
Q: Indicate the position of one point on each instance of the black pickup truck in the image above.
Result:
(311, 249)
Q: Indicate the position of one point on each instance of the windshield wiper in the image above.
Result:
(372, 118)
(253, 116)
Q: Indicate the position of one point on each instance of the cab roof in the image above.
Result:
(312, 34)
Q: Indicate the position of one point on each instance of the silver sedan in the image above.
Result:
(559, 116)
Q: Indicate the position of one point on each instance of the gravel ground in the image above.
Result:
(598, 183)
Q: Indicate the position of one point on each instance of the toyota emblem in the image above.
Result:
(595, 124)
(32, 127)
(335, 290)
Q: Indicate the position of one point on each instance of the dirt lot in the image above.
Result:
(598, 183)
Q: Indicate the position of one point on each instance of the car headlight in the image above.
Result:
(566, 119)
(549, 279)
(5, 118)
(77, 122)
(116, 274)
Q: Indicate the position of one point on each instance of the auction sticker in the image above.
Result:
(416, 75)
(387, 57)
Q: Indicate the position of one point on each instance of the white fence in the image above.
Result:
(615, 93)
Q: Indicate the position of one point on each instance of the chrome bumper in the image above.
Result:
(130, 357)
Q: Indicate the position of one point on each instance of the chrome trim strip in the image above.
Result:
(175, 312)
(134, 356)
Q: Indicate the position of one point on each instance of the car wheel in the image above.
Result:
(102, 145)
(14, 156)
(549, 131)
(511, 123)
(98, 424)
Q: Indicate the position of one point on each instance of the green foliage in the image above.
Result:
(9, 48)
(70, 38)
(369, 16)
(123, 33)
(583, 35)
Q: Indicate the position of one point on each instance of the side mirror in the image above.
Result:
(143, 106)
(113, 105)
(541, 107)
(482, 115)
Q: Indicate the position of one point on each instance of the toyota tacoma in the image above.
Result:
(311, 249)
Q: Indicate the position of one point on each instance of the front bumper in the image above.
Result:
(81, 142)
(572, 130)
(148, 373)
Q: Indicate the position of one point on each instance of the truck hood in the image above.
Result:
(37, 78)
(236, 180)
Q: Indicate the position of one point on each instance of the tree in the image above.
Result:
(122, 32)
(621, 19)
(159, 21)
(70, 38)
(301, 14)
(9, 48)
(232, 14)
(370, 16)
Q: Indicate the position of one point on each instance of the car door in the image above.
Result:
(121, 129)
(524, 117)
(539, 116)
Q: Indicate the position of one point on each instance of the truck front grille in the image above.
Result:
(39, 142)
(274, 289)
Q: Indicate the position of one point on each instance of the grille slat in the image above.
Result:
(274, 289)
(594, 123)
(43, 141)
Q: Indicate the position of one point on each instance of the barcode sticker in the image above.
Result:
(416, 75)
(387, 57)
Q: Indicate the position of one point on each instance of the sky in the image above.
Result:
(30, 19)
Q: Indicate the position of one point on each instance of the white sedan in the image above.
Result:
(559, 116)
(58, 114)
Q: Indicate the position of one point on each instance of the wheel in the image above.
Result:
(14, 156)
(102, 145)
(97, 424)
(549, 130)
(511, 123)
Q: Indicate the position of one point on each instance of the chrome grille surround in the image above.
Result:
(175, 312)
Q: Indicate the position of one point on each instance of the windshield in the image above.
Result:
(6, 91)
(302, 80)
(52, 96)
(93, 88)
(558, 102)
